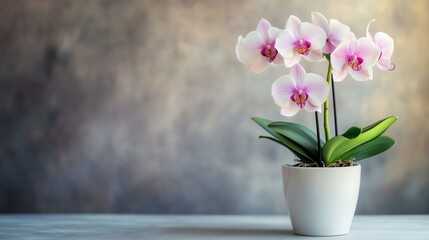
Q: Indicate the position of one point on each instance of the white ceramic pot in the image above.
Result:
(321, 201)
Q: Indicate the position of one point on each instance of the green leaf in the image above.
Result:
(369, 149)
(295, 148)
(303, 158)
(339, 145)
(300, 135)
(353, 132)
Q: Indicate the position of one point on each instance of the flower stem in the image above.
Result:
(320, 161)
(334, 105)
(326, 104)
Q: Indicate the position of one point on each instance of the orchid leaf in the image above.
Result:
(299, 134)
(339, 145)
(369, 149)
(304, 158)
(352, 132)
(295, 148)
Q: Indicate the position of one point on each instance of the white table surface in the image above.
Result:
(177, 227)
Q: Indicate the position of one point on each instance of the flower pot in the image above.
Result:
(321, 201)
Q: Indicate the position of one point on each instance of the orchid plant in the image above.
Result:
(319, 41)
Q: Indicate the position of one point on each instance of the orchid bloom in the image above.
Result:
(300, 40)
(257, 50)
(386, 45)
(299, 90)
(336, 32)
(356, 57)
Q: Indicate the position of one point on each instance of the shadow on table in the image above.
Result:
(207, 231)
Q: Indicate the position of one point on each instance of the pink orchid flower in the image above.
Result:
(299, 90)
(356, 57)
(300, 40)
(386, 45)
(336, 32)
(257, 50)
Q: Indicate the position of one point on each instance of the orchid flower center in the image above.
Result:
(303, 47)
(355, 62)
(269, 52)
(299, 97)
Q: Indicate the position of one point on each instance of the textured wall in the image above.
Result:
(141, 106)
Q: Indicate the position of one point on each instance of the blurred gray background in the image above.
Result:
(142, 107)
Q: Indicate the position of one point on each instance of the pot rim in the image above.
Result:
(289, 166)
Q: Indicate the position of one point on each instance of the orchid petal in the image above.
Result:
(282, 89)
(252, 41)
(311, 107)
(370, 73)
(385, 43)
(314, 56)
(245, 54)
(351, 36)
(255, 49)
(361, 75)
(340, 55)
(366, 49)
(237, 49)
(368, 35)
(290, 61)
(262, 29)
(285, 43)
(341, 74)
(313, 34)
(247, 47)
(293, 23)
(273, 33)
(329, 47)
(279, 59)
(319, 20)
(298, 73)
(338, 32)
(248, 53)
(316, 87)
(261, 66)
(289, 109)
(383, 64)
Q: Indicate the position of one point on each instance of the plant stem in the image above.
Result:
(326, 104)
(334, 105)
(320, 162)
